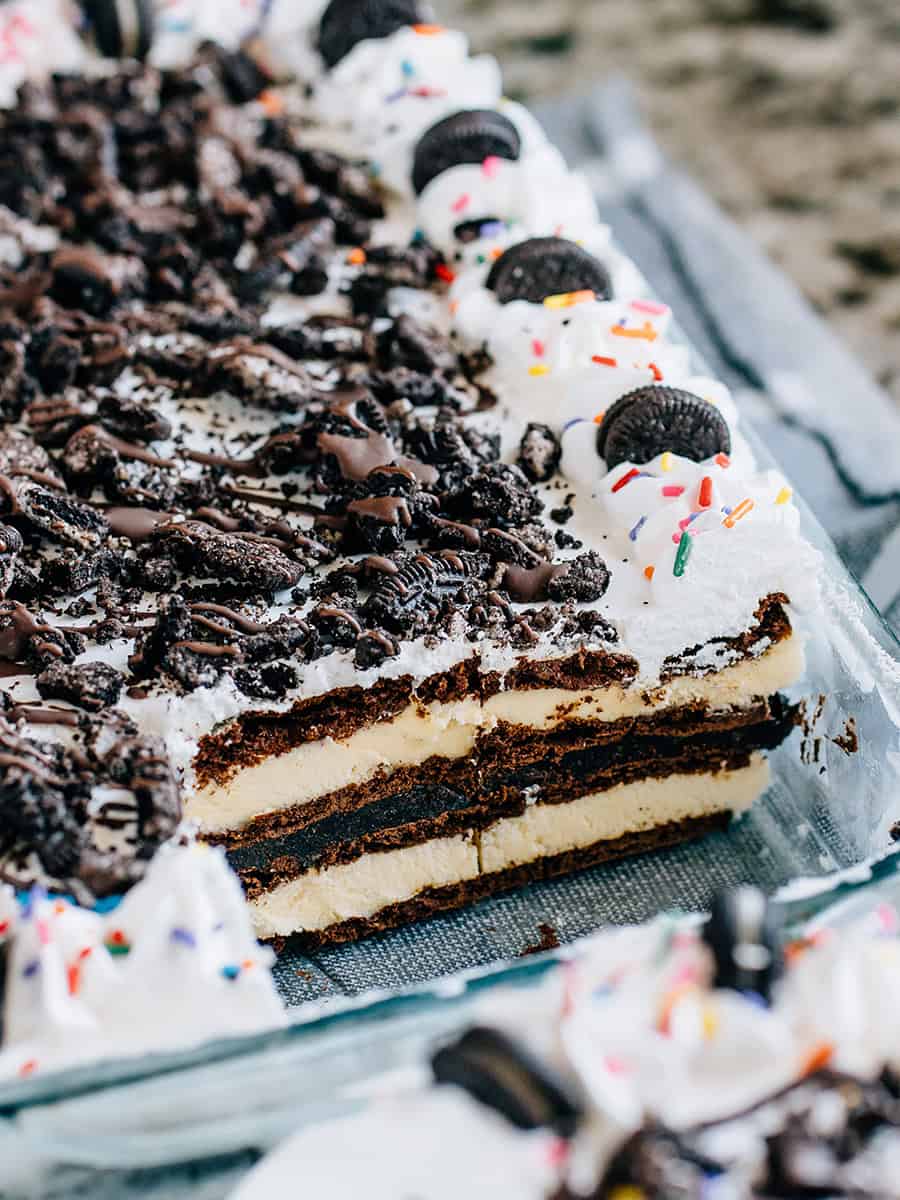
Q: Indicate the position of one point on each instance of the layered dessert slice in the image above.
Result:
(393, 512)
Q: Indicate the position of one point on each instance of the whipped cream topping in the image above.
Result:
(535, 195)
(173, 964)
(634, 1023)
(388, 91)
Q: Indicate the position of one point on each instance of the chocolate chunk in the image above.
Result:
(242, 558)
(345, 23)
(464, 137)
(743, 934)
(585, 579)
(92, 686)
(539, 452)
(504, 1075)
(501, 494)
(651, 420)
(549, 266)
(60, 516)
(121, 28)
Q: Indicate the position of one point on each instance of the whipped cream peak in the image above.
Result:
(389, 91)
(535, 195)
(173, 964)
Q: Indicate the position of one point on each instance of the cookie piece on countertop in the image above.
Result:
(547, 266)
(647, 422)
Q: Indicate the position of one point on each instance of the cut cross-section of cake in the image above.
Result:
(383, 499)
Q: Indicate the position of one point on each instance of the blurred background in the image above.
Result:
(786, 111)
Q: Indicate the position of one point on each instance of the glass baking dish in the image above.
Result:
(834, 798)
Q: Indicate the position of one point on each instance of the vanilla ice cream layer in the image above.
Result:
(360, 889)
(544, 830)
(451, 730)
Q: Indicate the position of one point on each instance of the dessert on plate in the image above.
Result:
(358, 508)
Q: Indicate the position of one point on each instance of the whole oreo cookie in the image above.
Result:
(344, 23)
(547, 266)
(743, 935)
(121, 28)
(502, 1074)
(651, 420)
(464, 137)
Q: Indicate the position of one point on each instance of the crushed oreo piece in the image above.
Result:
(10, 549)
(540, 267)
(464, 137)
(539, 452)
(60, 517)
(501, 494)
(121, 28)
(585, 579)
(91, 686)
(242, 558)
(647, 422)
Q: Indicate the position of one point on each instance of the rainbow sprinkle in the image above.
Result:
(737, 513)
(117, 943)
(490, 166)
(183, 937)
(665, 463)
(461, 203)
(231, 971)
(645, 331)
(635, 530)
(657, 373)
(704, 497)
(673, 489)
(444, 273)
(649, 572)
(569, 299)
(722, 460)
(538, 369)
(683, 554)
(784, 495)
(603, 361)
(626, 479)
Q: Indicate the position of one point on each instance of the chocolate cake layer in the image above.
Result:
(256, 736)
(553, 773)
(434, 901)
